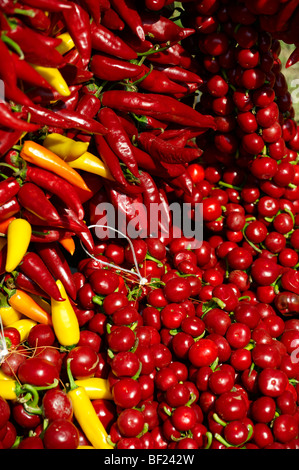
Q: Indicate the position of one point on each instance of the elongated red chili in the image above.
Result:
(157, 81)
(109, 68)
(118, 140)
(32, 198)
(83, 123)
(128, 12)
(56, 263)
(285, 13)
(94, 8)
(75, 75)
(111, 20)
(20, 281)
(7, 70)
(175, 55)
(156, 105)
(88, 105)
(56, 185)
(113, 163)
(162, 29)
(179, 74)
(46, 117)
(12, 121)
(9, 137)
(78, 25)
(15, 94)
(25, 72)
(48, 235)
(106, 41)
(34, 268)
(37, 48)
(49, 5)
(163, 150)
(184, 182)
(8, 189)
(294, 58)
(9, 208)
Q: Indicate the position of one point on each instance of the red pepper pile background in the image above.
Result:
(182, 102)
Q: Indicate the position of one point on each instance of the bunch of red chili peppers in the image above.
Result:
(150, 344)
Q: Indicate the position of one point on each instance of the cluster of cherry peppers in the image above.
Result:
(204, 356)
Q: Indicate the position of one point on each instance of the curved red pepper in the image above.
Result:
(32, 198)
(112, 20)
(128, 12)
(56, 263)
(106, 41)
(78, 25)
(34, 268)
(9, 208)
(157, 81)
(109, 68)
(163, 29)
(8, 189)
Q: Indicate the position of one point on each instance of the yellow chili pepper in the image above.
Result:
(4, 376)
(85, 447)
(64, 319)
(96, 388)
(7, 313)
(54, 78)
(66, 148)
(24, 326)
(68, 244)
(86, 415)
(38, 155)
(92, 164)
(18, 239)
(66, 44)
(8, 389)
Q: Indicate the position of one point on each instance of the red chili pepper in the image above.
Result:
(127, 10)
(179, 74)
(135, 42)
(83, 123)
(129, 208)
(106, 41)
(112, 20)
(68, 103)
(72, 223)
(20, 281)
(159, 106)
(34, 268)
(285, 13)
(15, 94)
(56, 263)
(175, 55)
(38, 49)
(112, 161)
(32, 198)
(8, 189)
(9, 208)
(118, 140)
(46, 117)
(157, 81)
(94, 9)
(184, 182)
(78, 25)
(163, 150)
(49, 5)
(38, 19)
(89, 106)
(75, 75)
(294, 58)
(12, 121)
(163, 29)
(48, 235)
(25, 72)
(7, 69)
(8, 138)
(111, 69)
(55, 185)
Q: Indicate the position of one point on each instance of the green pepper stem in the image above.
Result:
(72, 383)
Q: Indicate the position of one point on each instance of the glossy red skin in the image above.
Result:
(33, 442)
(84, 360)
(41, 335)
(4, 412)
(203, 353)
(130, 422)
(61, 434)
(56, 405)
(38, 371)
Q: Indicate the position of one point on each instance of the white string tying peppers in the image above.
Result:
(142, 280)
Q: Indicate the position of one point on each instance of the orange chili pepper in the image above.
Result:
(40, 156)
(24, 303)
(4, 225)
(68, 244)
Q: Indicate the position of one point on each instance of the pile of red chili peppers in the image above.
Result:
(149, 343)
